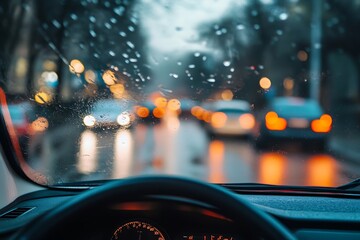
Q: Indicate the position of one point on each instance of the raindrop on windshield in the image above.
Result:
(96, 55)
(279, 32)
(92, 33)
(212, 80)
(232, 69)
(133, 60)
(130, 44)
(119, 10)
(92, 19)
(174, 75)
(125, 55)
(204, 58)
(191, 66)
(56, 23)
(256, 26)
(179, 63)
(111, 53)
(197, 54)
(283, 16)
(131, 28)
(73, 16)
(240, 27)
(107, 25)
(113, 20)
(226, 63)
(123, 34)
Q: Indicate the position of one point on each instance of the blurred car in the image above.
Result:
(148, 113)
(110, 113)
(296, 119)
(233, 118)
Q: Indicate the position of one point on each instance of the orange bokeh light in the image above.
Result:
(158, 112)
(142, 112)
(273, 122)
(322, 125)
(218, 119)
(247, 121)
(272, 168)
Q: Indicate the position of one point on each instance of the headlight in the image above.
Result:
(124, 119)
(89, 121)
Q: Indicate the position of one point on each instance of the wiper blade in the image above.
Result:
(353, 185)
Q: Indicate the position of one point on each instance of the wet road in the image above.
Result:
(180, 148)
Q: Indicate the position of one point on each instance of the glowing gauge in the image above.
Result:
(139, 231)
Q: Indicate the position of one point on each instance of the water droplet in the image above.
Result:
(119, 10)
(226, 63)
(125, 55)
(131, 28)
(179, 63)
(123, 34)
(229, 76)
(191, 66)
(130, 44)
(261, 67)
(111, 53)
(73, 16)
(174, 75)
(240, 27)
(113, 20)
(279, 32)
(92, 33)
(92, 19)
(56, 23)
(96, 55)
(212, 80)
(197, 54)
(283, 16)
(204, 58)
(232, 69)
(133, 60)
(107, 25)
(218, 32)
(256, 26)
(317, 45)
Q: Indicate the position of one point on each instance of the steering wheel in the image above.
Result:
(227, 203)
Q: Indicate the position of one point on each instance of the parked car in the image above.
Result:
(293, 118)
(233, 118)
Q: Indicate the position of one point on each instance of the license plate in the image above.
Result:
(298, 123)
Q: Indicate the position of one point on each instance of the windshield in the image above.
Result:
(231, 91)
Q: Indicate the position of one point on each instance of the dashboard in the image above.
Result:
(170, 218)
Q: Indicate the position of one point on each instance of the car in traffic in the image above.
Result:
(230, 118)
(295, 119)
(110, 113)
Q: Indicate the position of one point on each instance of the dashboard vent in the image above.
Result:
(16, 212)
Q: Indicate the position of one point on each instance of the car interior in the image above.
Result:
(50, 187)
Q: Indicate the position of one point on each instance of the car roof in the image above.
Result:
(233, 104)
(296, 107)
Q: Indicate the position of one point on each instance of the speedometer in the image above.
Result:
(137, 230)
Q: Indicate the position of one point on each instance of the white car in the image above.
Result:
(231, 118)
(110, 113)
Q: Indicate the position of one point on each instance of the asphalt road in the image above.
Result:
(180, 148)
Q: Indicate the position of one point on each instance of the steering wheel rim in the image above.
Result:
(229, 204)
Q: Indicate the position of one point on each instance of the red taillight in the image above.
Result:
(274, 122)
(322, 125)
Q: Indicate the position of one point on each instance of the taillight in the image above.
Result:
(322, 125)
(218, 119)
(247, 121)
(274, 122)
